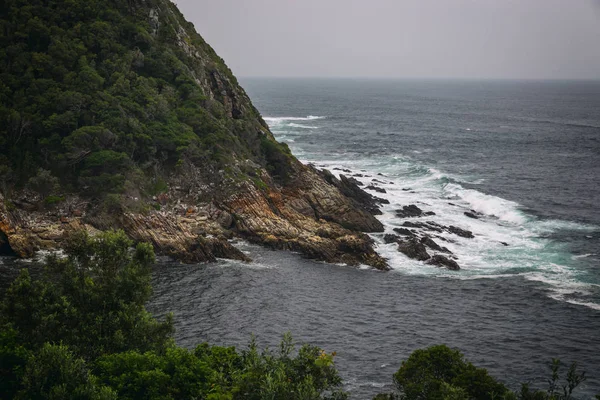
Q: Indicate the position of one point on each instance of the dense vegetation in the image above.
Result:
(81, 332)
(441, 373)
(109, 96)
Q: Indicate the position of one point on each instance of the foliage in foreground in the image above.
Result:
(441, 373)
(82, 332)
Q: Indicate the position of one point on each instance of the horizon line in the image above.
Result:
(407, 78)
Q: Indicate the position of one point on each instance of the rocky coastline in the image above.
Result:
(310, 215)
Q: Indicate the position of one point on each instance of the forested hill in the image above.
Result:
(109, 93)
(117, 114)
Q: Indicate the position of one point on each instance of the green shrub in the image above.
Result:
(51, 200)
(54, 372)
(439, 372)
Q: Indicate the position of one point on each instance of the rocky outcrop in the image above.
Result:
(412, 211)
(460, 232)
(308, 215)
(359, 197)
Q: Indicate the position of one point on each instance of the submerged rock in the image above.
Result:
(404, 231)
(411, 211)
(391, 238)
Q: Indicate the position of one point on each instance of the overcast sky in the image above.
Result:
(542, 39)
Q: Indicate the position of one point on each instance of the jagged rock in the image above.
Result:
(412, 248)
(361, 199)
(429, 242)
(356, 182)
(460, 232)
(404, 231)
(376, 188)
(471, 214)
(409, 211)
(504, 243)
(443, 261)
(390, 238)
(410, 224)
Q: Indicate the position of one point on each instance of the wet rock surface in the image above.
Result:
(414, 249)
(443, 261)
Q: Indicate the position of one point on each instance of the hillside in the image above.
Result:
(117, 114)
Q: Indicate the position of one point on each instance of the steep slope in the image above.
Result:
(118, 114)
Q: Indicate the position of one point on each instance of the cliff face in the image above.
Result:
(118, 115)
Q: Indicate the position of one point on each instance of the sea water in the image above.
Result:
(524, 156)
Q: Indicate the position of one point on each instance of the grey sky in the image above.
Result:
(541, 39)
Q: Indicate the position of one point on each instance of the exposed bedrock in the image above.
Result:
(308, 215)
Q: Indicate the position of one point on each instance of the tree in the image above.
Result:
(439, 372)
(56, 373)
(92, 300)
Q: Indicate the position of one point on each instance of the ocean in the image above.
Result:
(522, 156)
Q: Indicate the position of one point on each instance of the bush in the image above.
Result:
(439, 372)
(55, 373)
(44, 183)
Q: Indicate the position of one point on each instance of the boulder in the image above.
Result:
(409, 211)
(376, 188)
(390, 238)
(404, 231)
(460, 232)
(471, 214)
(414, 249)
(443, 261)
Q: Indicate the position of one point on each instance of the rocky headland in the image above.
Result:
(142, 127)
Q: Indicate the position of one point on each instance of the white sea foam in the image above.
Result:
(489, 205)
(293, 125)
(279, 120)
